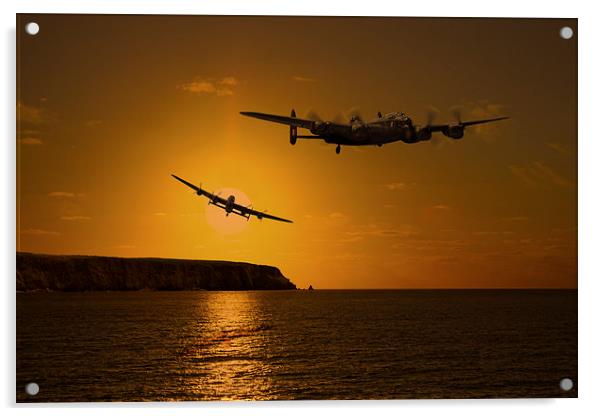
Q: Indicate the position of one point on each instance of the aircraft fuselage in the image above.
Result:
(391, 128)
(229, 204)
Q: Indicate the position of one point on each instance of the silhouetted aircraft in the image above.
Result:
(385, 129)
(229, 205)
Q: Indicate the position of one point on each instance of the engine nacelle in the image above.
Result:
(424, 134)
(320, 127)
(360, 130)
(293, 129)
(455, 132)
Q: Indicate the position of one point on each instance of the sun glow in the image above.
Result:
(490, 210)
(218, 219)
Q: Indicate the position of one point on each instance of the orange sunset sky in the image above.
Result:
(109, 106)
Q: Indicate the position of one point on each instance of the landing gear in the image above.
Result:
(338, 150)
(380, 145)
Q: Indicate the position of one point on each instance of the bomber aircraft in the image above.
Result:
(384, 129)
(229, 205)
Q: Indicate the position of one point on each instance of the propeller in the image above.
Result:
(355, 115)
(314, 116)
(340, 119)
(456, 111)
(431, 114)
(349, 116)
(437, 141)
(213, 197)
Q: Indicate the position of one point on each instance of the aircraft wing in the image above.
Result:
(260, 215)
(440, 127)
(289, 121)
(488, 120)
(200, 191)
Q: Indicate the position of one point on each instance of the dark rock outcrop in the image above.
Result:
(92, 273)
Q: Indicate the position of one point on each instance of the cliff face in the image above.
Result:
(91, 273)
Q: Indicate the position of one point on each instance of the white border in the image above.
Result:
(590, 200)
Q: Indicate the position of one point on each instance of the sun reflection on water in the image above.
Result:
(230, 347)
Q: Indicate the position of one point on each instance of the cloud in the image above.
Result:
(437, 245)
(229, 81)
(125, 246)
(29, 121)
(378, 230)
(28, 132)
(62, 194)
(537, 174)
(442, 207)
(160, 214)
(220, 87)
(30, 114)
(38, 231)
(93, 123)
(514, 219)
(493, 233)
(303, 79)
(353, 233)
(336, 215)
(75, 218)
(31, 141)
(351, 239)
(482, 109)
(398, 186)
(557, 147)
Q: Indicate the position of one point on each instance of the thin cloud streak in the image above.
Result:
(63, 194)
(31, 114)
(537, 174)
(299, 78)
(31, 141)
(220, 87)
(38, 232)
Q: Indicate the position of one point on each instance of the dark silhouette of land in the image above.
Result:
(93, 273)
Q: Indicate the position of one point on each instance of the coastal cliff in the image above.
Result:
(92, 273)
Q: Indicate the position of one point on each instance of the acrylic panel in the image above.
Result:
(283, 208)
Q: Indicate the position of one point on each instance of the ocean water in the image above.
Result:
(283, 345)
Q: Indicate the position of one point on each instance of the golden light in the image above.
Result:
(227, 224)
(230, 324)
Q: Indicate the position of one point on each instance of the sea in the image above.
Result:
(296, 345)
